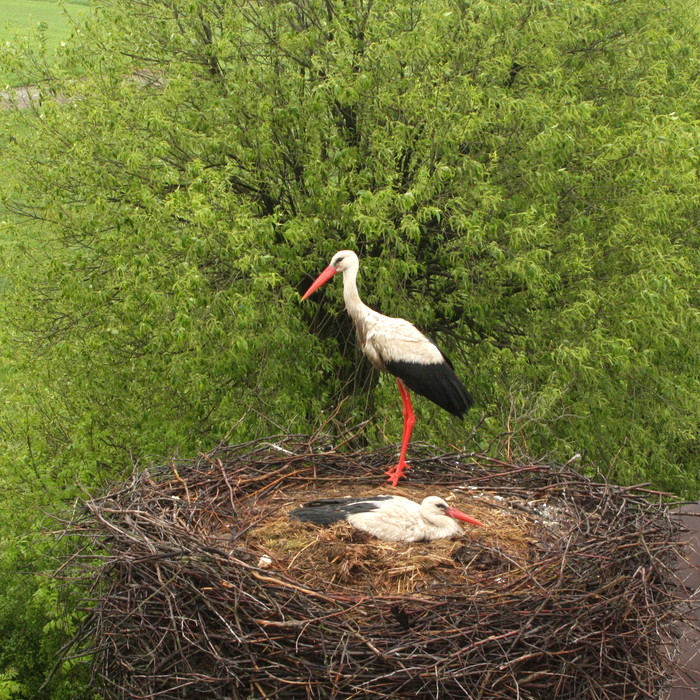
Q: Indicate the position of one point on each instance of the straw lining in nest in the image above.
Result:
(340, 556)
(202, 587)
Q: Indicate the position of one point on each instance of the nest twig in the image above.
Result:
(181, 603)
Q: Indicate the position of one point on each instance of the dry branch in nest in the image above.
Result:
(200, 585)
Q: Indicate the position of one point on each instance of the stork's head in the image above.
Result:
(343, 260)
(435, 510)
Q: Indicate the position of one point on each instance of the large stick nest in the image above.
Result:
(201, 586)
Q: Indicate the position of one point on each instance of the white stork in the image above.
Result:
(394, 345)
(392, 518)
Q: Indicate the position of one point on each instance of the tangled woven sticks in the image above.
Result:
(199, 585)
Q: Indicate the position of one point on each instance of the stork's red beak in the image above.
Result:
(458, 515)
(320, 281)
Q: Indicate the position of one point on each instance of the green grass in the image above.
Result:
(22, 20)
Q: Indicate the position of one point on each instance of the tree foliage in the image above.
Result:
(519, 179)
(36, 618)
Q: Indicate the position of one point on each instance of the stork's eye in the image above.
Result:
(337, 262)
(441, 506)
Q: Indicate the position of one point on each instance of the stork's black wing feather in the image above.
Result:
(327, 511)
(436, 381)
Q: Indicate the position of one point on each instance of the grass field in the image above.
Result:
(21, 19)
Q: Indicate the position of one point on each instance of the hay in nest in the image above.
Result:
(200, 585)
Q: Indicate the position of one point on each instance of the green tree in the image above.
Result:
(519, 178)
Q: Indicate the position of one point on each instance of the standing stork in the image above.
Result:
(396, 346)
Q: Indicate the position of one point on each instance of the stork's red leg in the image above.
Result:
(409, 419)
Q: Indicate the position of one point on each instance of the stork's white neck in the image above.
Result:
(437, 526)
(353, 303)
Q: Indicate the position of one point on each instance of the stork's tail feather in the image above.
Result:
(317, 515)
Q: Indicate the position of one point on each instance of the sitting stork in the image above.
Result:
(392, 518)
(396, 346)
